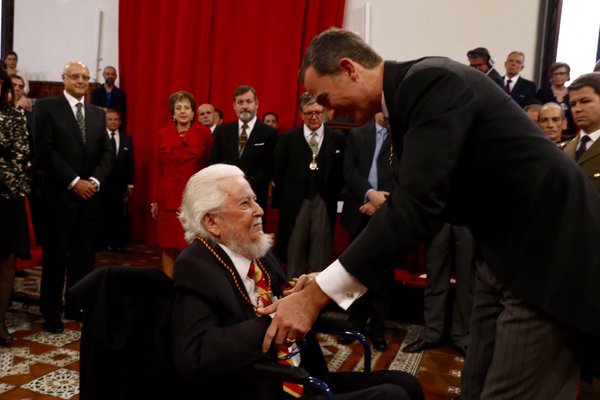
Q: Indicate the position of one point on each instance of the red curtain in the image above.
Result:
(209, 47)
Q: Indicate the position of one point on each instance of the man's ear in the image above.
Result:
(348, 67)
(209, 223)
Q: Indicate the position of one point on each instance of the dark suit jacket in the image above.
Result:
(357, 165)
(118, 100)
(122, 172)
(256, 160)
(469, 156)
(523, 91)
(292, 158)
(495, 76)
(216, 333)
(589, 161)
(60, 148)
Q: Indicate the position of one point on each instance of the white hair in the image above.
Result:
(203, 195)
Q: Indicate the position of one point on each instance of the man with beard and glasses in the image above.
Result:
(108, 96)
(247, 143)
(217, 333)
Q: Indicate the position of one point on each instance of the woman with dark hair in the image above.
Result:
(14, 186)
(557, 93)
(183, 149)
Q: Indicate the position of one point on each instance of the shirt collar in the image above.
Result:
(72, 100)
(241, 263)
(593, 136)
(307, 131)
(250, 124)
(384, 108)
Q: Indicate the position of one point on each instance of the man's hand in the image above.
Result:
(378, 197)
(84, 189)
(367, 209)
(154, 210)
(297, 284)
(294, 316)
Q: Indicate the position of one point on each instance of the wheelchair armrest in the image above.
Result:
(279, 372)
(327, 323)
(287, 373)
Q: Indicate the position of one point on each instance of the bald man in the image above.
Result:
(552, 120)
(206, 116)
(74, 151)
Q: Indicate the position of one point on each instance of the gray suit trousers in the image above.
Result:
(516, 351)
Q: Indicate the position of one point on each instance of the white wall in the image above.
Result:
(578, 42)
(408, 29)
(50, 33)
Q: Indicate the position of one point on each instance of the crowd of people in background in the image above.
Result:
(81, 162)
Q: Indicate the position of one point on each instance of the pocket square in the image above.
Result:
(125, 148)
(259, 144)
(337, 151)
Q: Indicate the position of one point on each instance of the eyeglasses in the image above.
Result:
(76, 77)
(313, 114)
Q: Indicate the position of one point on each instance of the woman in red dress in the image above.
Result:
(184, 148)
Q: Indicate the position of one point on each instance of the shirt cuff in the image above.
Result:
(97, 182)
(73, 183)
(339, 285)
(366, 199)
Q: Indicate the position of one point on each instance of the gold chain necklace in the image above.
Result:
(237, 284)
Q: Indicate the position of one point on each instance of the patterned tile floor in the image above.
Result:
(45, 366)
(41, 365)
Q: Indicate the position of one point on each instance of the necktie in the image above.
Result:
(313, 143)
(264, 296)
(113, 143)
(243, 138)
(582, 146)
(507, 86)
(380, 137)
(80, 120)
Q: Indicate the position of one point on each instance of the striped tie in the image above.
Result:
(243, 138)
(80, 120)
(264, 295)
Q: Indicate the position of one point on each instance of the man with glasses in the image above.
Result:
(480, 59)
(74, 151)
(308, 177)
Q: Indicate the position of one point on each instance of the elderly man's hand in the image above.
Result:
(297, 284)
(294, 316)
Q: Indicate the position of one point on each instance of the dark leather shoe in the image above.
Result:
(5, 337)
(420, 345)
(379, 343)
(54, 326)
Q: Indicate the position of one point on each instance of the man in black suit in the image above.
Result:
(74, 151)
(247, 143)
(469, 157)
(118, 187)
(519, 88)
(481, 59)
(108, 95)
(369, 171)
(308, 178)
(216, 331)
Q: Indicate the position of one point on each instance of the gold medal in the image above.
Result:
(313, 164)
